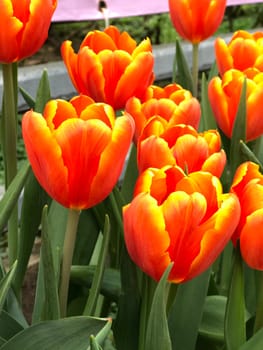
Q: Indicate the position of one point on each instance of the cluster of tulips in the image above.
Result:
(180, 212)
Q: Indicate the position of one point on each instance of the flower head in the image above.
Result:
(171, 104)
(248, 186)
(24, 27)
(109, 66)
(195, 20)
(77, 149)
(245, 50)
(177, 218)
(180, 145)
(224, 95)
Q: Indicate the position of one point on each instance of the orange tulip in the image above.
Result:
(196, 20)
(109, 66)
(77, 149)
(224, 95)
(173, 104)
(248, 186)
(24, 26)
(180, 145)
(177, 218)
(245, 50)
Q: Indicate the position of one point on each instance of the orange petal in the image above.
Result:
(145, 235)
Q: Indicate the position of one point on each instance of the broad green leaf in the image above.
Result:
(5, 284)
(181, 73)
(212, 323)
(43, 92)
(10, 198)
(34, 199)
(239, 132)
(130, 175)
(110, 284)
(98, 275)
(235, 330)
(27, 97)
(254, 343)
(186, 313)
(99, 339)
(51, 301)
(249, 155)
(126, 326)
(207, 120)
(64, 334)
(157, 334)
(9, 327)
(57, 219)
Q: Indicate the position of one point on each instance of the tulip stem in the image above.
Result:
(9, 146)
(68, 250)
(259, 311)
(195, 68)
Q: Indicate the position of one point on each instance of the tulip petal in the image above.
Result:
(251, 240)
(145, 235)
(45, 156)
(81, 156)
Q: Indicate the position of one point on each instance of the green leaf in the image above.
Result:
(186, 313)
(254, 343)
(157, 334)
(235, 330)
(27, 97)
(130, 176)
(43, 92)
(99, 339)
(249, 155)
(126, 326)
(64, 334)
(9, 327)
(5, 284)
(34, 199)
(110, 284)
(182, 74)
(51, 300)
(57, 219)
(12, 194)
(239, 132)
(96, 283)
(212, 323)
(207, 120)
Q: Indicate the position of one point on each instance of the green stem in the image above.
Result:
(9, 143)
(68, 249)
(195, 69)
(259, 311)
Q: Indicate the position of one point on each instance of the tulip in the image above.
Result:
(245, 50)
(173, 104)
(24, 27)
(195, 20)
(181, 145)
(176, 218)
(224, 95)
(248, 186)
(77, 149)
(109, 66)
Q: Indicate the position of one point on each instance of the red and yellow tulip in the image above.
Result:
(248, 186)
(177, 218)
(245, 50)
(24, 26)
(77, 149)
(109, 66)
(180, 145)
(172, 104)
(195, 20)
(224, 95)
